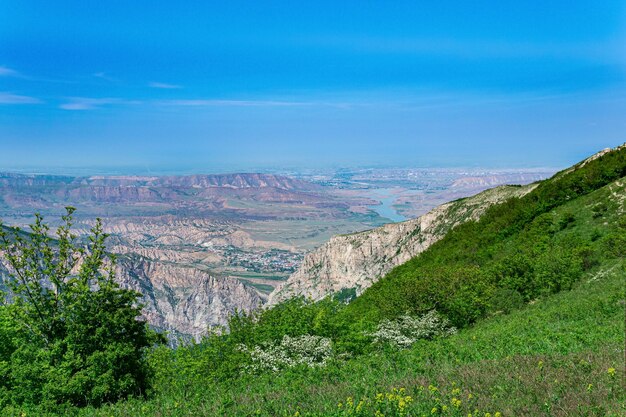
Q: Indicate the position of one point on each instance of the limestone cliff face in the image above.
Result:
(358, 260)
(184, 301)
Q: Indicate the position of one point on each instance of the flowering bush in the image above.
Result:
(306, 350)
(406, 330)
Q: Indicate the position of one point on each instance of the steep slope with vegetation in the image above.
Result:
(520, 313)
(561, 356)
(351, 263)
(519, 250)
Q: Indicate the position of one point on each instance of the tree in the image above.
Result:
(76, 334)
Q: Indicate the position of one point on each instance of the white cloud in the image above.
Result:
(249, 103)
(8, 72)
(164, 85)
(90, 103)
(10, 98)
(104, 76)
(87, 103)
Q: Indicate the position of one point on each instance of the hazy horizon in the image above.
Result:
(278, 170)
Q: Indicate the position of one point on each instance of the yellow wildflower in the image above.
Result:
(470, 396)
(589, 387)
(434, 410)
(611, 371)
(497, 414)
(432, 388)
(359, 406)
(456, 391)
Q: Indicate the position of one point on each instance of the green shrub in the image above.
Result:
(505, 300)
(614, 244)
(74, 333)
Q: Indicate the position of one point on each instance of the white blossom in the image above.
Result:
(312, 351)
(406, 330)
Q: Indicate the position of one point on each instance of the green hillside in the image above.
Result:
(519, 250)
(535, 289)
(552, 358)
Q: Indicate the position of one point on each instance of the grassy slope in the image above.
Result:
(536, 361)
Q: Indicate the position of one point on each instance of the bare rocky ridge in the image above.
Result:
(489, 181)
(185, 301)
(211, 190)
(358, 260)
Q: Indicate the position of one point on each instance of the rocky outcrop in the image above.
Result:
(483, 182)
(358, 260)
(184, 301)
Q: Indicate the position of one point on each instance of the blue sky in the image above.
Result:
(205, 86)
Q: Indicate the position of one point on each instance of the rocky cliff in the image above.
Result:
(180, 300)
(184, 301)
(358, 260)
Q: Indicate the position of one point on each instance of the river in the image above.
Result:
(386, 196)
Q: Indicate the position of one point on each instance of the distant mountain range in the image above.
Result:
(51, 188)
